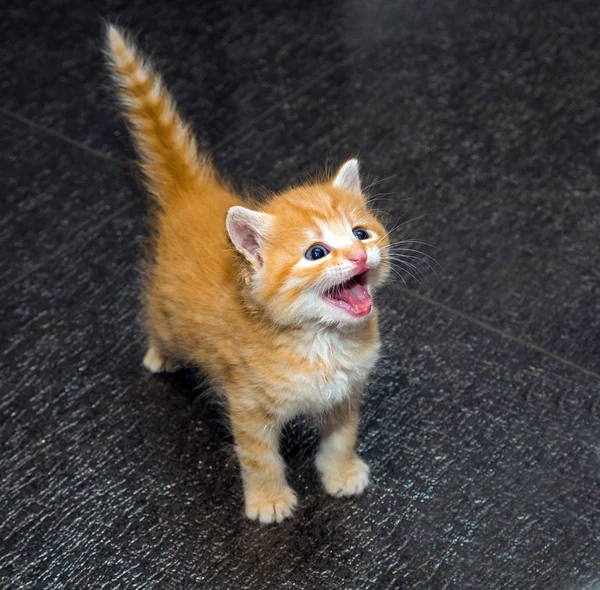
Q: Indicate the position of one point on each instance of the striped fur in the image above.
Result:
(230, 290)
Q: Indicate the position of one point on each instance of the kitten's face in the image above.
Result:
(324, 258)
(320, 254)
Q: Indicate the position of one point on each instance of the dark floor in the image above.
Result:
(482, 422)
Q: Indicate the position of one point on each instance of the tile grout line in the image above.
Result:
(498, 331)
(73, 241)
(236, 134)
(228, 138)
(65, 138)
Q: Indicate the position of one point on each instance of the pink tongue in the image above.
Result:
(358, 297)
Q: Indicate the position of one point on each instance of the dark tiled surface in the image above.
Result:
(226, 63)
(484, 452)
(50, 192)
(485, 456)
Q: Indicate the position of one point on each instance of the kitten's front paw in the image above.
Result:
(343, 478)
(269, 506)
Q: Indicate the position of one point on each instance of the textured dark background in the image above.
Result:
(481, 423)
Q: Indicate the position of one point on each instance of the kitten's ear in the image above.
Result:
(247, 229)
(347, 177)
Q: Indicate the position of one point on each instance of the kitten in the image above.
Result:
(272, 300)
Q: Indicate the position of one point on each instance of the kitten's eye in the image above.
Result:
(361, 234)
(315, 252)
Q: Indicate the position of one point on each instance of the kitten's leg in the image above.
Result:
(155, 362)
(343, 472)
(267, 495)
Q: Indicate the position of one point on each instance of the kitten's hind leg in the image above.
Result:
(342, 471)
(156, 362)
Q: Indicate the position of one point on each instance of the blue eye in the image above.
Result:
(361, 234)
(316, 252)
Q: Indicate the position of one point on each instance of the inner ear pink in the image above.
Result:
(248, 239)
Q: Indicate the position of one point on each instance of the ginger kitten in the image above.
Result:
(272, 300)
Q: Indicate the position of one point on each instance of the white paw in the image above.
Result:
(156, 363)
(269, 506)
(347, 478)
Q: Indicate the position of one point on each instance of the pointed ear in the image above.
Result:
(347, 177)
(247, 229)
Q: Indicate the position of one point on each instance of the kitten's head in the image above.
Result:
(316, 253)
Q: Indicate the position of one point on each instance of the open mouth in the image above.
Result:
(351, 296)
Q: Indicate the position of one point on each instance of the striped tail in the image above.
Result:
(168, 150)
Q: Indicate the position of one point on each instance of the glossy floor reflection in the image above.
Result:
(480, 124)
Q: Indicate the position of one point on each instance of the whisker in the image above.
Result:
(388, 232)
(411, 241)
(378, 198)
(418, 252)
(413, 276)
(399, 275)
(394, 255)
(399, 225)
(414, 258)
(388, 193)
(366, 188)
(409, 238)
(412, 265)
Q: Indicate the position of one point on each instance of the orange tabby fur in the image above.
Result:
(230, 290)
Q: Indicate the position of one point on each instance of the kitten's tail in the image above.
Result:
(165, 143)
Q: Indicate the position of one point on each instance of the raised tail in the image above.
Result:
(168, 150)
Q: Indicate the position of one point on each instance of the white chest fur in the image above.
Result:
(337, 365)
